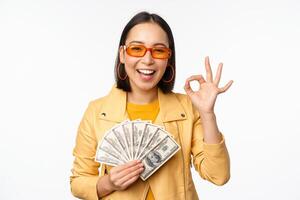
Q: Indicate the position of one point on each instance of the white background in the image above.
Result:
(56, 56)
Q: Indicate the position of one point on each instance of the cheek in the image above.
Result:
(130, 64)
(162, 66)
(131, 61)
(163, 63)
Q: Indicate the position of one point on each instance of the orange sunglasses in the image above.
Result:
(137, 50)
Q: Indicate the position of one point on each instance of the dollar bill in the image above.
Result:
(127, 132)
(148, 133)
(138, 128)
(158, 136)
(115, 142)
(107, 147)
(154, 159)
(106, 158)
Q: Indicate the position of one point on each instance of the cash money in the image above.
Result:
(137, 140)
(155, 158)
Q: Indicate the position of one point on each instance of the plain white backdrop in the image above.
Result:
(56, 56)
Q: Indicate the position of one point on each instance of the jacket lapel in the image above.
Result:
(170, 107)
(114, 106)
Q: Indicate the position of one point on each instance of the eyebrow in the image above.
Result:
(159, 43)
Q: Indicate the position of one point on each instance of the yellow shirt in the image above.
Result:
(144, 112)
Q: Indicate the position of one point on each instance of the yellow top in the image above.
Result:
(144, 112)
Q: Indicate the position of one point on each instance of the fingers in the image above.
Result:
(122, 176)
(187, 86)
(125, 166)
(209, 74)
(226, 87)
(130, 181)
(129, 174)
(209, 79)
(196, 78)
(218, 75)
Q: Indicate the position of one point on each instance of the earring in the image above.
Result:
(173, 74)
(118, 73)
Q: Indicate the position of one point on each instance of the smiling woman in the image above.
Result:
(153, 38)
(145, 75)
(145, 72)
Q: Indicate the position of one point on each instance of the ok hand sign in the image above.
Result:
(204, 99)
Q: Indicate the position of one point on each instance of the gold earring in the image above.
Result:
(118, 73)
(173, 74)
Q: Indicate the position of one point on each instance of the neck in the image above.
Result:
(142, 96)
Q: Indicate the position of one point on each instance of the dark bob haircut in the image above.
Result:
(144, 17)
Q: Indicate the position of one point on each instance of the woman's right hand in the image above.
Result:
(120, 177)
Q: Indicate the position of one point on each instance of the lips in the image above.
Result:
(147, 72)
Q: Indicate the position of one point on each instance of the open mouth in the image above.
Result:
(147, 72)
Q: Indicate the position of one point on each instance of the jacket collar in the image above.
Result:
(114, 107)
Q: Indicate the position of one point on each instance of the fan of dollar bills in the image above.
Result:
(138, 139)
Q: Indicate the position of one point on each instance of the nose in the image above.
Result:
(148, 59)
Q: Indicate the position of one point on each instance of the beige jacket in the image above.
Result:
(173, 181)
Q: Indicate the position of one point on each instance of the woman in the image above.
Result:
(145, 76)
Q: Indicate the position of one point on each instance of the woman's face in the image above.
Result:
(138, 68)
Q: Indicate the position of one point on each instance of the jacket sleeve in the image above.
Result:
(85, 170)
(210, 160)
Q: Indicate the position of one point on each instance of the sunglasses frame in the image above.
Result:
(125, 47)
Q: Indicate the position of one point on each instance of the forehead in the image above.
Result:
(147, 33)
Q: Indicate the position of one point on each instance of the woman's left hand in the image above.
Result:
(204, 99)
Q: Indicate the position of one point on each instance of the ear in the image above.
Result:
(122, 55)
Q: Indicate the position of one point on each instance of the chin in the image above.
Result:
(147, 86)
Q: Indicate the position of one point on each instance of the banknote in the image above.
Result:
(127, 132)
(157, 137)
(112, 138)
(123, 139)
(154, 159)
(137, 140)
(138, 128)
(106, 158)
(107, 147)
(148, 133)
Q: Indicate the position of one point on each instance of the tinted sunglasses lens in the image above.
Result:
(136, 50)
(161, 53)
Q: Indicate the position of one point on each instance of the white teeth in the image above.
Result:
(145, 71)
